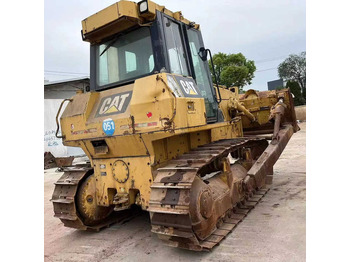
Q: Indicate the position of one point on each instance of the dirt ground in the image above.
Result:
(273, 231)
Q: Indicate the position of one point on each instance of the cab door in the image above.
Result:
(201, 73)
(182, 46)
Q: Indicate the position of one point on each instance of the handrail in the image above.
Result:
(58, 113)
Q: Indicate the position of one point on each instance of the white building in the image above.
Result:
(54, 93)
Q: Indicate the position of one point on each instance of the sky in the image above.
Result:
(265, 31)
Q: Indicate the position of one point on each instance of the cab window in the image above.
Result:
(175, 48)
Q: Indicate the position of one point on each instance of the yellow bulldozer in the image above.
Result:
(161, 135)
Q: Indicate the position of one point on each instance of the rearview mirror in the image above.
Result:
(203, 53)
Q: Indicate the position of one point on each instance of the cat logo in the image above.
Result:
(188, 87)
(114, 104)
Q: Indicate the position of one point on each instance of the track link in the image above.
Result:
(63, 197)
(170, 197)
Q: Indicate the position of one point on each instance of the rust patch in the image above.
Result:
(172, 197)
(175, 178)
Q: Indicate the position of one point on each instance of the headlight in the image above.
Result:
(143, 7)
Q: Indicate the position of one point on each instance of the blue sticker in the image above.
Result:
(108, 127)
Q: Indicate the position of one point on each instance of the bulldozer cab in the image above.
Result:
(164, 44)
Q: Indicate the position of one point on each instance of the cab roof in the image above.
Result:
(121, 16)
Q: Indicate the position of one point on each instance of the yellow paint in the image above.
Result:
(140, 178)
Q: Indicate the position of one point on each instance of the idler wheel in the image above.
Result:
(86, 202)
(201, 209)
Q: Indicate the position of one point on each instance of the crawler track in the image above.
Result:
(170, 197)
(64, 201)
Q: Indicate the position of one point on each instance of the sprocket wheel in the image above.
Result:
(86, 201)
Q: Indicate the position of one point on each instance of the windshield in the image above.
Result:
(125, 57)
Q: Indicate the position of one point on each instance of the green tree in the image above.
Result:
(296, 91)
(294, 69)
(233, 70)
